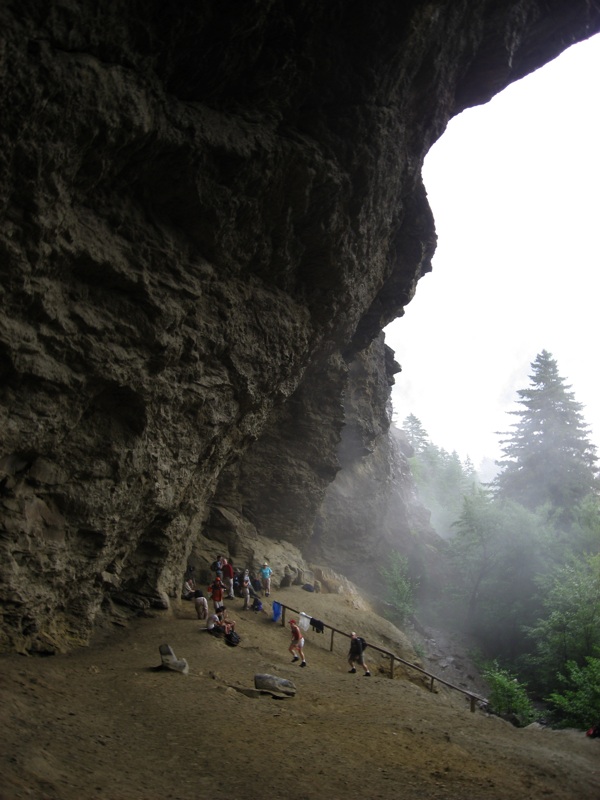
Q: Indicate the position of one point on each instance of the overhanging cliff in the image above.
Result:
(210, 211)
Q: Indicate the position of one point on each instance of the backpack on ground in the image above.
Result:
(257, 605)
(232, 639)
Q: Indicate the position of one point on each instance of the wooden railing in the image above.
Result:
(474, 698)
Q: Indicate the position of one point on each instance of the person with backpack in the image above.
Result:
(296, 647)
(356, 654)
(217, 566)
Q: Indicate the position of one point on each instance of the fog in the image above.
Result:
(514, 186)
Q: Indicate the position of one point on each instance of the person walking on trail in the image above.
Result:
(265, 576)
(296, 647)
(356, 654)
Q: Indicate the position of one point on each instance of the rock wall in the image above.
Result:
(210, 211)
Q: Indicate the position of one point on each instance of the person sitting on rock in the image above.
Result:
(189, 584)
(227, 624)
(218, 624)
(213, 625)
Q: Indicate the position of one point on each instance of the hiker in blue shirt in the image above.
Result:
(265, 576)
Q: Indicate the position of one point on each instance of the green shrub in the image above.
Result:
(508, 697)
(578, 706)
(399, 588)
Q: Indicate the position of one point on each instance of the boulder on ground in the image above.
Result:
(274, 684)
(170, 661)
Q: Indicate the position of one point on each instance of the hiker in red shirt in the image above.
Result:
(216, 590)
(297, 644)
(228, 577)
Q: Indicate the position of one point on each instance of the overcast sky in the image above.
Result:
(515, 190)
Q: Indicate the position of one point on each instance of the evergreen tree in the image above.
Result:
(441, 478)
(496, 553)
(548, 458)
(415, 433)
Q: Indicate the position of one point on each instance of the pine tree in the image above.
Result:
(415, 433)
(441, 478)
(548, 458)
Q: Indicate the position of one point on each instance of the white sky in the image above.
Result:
(515, 190)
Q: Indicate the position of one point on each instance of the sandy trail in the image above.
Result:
(101, 724)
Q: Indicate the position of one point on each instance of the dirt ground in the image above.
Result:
(101, 724)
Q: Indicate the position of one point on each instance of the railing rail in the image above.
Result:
(393, 657)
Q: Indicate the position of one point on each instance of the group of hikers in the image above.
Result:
(229, 583)
(355, 654)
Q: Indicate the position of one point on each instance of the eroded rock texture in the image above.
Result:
(210, 211)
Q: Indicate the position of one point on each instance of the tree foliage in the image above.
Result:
(548, 458)
(496, 556)
(524, 571)
(415, 433)
(578, 705)
(508, 697)
(569, 626)
(399, 586)
(442, 479)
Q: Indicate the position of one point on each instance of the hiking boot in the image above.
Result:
(295, 658)
(351, 670)
(303, 664)
(367, 674)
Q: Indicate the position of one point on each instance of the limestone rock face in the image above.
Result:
(209, 213)
(372, 507)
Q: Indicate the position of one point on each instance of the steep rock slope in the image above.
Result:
(209, 211)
